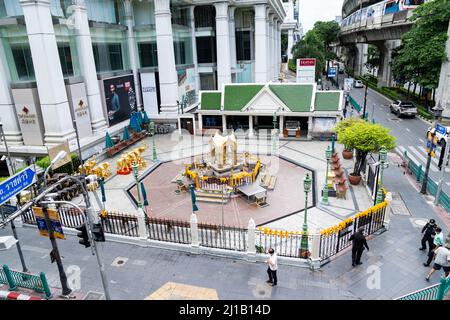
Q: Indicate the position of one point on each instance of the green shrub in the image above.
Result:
(67, 168)
(292, 66)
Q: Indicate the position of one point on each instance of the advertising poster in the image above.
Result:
(186, 85)
(120, 98)
(149, 92)
(55, 222)
(306, 70)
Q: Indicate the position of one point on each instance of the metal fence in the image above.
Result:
(168, 230)
(286, 244)
(222, 237)
(16, 279)
(428, 293)
(120, 224)
(337, 238)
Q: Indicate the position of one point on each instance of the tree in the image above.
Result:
(373, 57)
(310, 47)
(365, 138)
(344, 124)
(419, 58)
(327, 32)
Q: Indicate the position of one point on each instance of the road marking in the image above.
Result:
(433, 165)
(408, 130)
(421, 140)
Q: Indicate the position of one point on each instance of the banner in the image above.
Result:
(120, 98)
(55, 222)
(149, 92)
(306, 70)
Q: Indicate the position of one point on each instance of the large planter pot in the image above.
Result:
(347, 154)
(354, 180)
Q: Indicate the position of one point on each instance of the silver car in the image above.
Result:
(403, 108)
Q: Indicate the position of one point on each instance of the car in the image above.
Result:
(441, 138)
(358, 84)
(403, 108)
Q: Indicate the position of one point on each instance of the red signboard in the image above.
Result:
(307, 62)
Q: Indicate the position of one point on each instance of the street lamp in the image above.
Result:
(325, 188)
(383, 157)
(58, 157)
(366, 83)
(151, 129)
(304, 243)
(274, 141)
(135, 174)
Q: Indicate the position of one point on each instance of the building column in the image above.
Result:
(269, 25)
(168, 79)
(223, 44)
(281, 126)
(260, 44)
(87, 66)
(8, 115)
(271, 45)
(279, 47)
(200, 124)
(250, 126)
(131, 40)
(232, 31)
(47, 68)
(385, 70)
(194, 50)
(224, 124)
(310, 126)
(290, 43)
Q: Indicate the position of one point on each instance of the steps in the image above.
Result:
(214, 196)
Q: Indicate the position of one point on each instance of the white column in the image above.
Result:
(274, 47)
(87, 66)
(142, 228)
(131, 40)
(168, 79)
(387, 213)
(269, 27)
(8, 116)
(290, 43)
(194, 50)
(223, 44)
(194, 231)
(278, 47)
(310, 126)
(200, 124)
(224, 124)
(260, 44)
(281, 126)
(232, 31)
(250, 126)
(251, 240)
(47, 68)
(315, 251)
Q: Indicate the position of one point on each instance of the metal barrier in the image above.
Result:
(286, 244)
(222, 237)
(434, 292)
(168, 230)
(16, 279)
(121, 224)
(354, 104)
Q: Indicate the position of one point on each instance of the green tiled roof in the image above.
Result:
(211, 100)
(327, 101)
(296, 97)
(237, 96)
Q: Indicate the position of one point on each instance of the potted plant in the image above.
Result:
(364, 138)
(347, 153)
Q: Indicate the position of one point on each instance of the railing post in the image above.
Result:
(251, 241)
(387, 212)
(315, 251)
(441, 289)
(142, 227)
(419, 173)
(194, 233)
(48, 292)
(11, 282)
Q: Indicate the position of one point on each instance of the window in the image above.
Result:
(205, 16)
(65, 58)
(108, 56)
(148, 54)
(23, 62)
(243, 45)
(206, 49)
(180, 52)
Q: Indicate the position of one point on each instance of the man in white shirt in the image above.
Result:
(272, 267)
(437, 242)
(441, 260)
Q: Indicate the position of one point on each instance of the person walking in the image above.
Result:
(441, 260)
(345, 112)
(428, 231)
(359, 242)
(437, 242)
(272, 267)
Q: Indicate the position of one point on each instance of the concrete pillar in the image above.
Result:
(271, 46)
(269, 37)
(223, 44)
(385, 71)
(87, 66)
(260, 44)
(290, 43)
(281, 126)
(279, 46)
(49, 77)
(310, 127)
(194, 231)
(200, 124)
(315, 251)
(131, 40)
(8, 115)
(142, 226)
(250, 126)
(224, 124)
(443, 90)
(232, 31)
(168, 79)
(387, 214)
(194, 50)
(360, 59)
(251, 241)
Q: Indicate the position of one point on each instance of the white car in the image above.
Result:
(358, 84)
(441, 138)
(403, 108)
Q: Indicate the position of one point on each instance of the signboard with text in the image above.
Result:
(431, 144)
(55, 222)
(306, 70)
(332, 71)
(12, 186)
(53, 152)
(149, 92)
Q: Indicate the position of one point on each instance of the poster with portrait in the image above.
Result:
(120, 98)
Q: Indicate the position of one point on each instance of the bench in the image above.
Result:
(125, 144)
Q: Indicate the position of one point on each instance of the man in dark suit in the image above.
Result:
(428, 231)
(359, 242)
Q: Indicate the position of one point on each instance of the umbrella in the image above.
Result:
(145, 118)
(193, 198)
(108, 141)
(144, 194)
(138, 117)
(126, 134)
(133, 122)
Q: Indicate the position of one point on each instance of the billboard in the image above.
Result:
(149, 92)
(120, 98)
(186, 85)
(306, 70)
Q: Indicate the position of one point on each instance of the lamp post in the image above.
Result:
(366, 83)
(274, 142)
(135, 174)
(152, 133)
(13, 226)
(383, 158)
(304, 242)
(325, 188)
